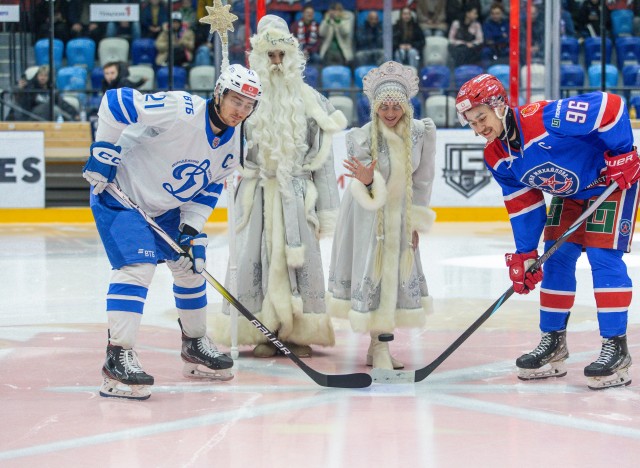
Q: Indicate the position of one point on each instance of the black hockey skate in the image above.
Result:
(611, 369)
(202, 359)
(547, 360)
(123, 375)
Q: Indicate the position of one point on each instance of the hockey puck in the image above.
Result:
(385, 337)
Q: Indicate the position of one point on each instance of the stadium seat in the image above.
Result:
(500, 71)
(97, 75)
(435, 51)
(442, 109)
(359, 73)
(72, 79)
(202, 79)
(631, 75)
(571, 76)
(635, 103)
(417, 108)
(621, 23)
(595, 74)
(113, 49)
(179, 78)
(344, 104)
(435, 77)
(464, 73)
(41, 51)
(569, 49)
(537, 76)
(312, 76)
(336, 77)
(137, 72)
(592, 51)
(363, 110)
(627, 51)
(143, 52)
(81, 52)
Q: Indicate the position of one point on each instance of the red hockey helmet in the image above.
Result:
(482, 89)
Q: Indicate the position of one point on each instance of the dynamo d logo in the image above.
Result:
(464, 168)
(551, 179)
(193, 178)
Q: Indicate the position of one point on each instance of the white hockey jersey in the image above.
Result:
(170, 156)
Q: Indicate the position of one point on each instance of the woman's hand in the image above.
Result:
(359, 171)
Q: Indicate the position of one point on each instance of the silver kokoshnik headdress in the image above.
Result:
(391, 81)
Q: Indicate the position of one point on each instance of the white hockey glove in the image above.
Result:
(196, 247)
(102, 165)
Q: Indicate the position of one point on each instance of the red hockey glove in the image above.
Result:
(523, 281)
(623, 168)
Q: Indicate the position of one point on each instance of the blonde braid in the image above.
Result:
(406, 261)
(377, 264)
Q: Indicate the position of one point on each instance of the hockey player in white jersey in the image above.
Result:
(170, 153)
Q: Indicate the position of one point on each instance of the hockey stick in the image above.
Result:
(393, 376)
(357, 380)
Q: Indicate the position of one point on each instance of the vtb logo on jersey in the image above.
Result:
(249, 90)
(552, 179)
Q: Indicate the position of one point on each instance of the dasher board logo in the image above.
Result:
(464, 168)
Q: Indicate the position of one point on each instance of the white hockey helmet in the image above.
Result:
(241, 80)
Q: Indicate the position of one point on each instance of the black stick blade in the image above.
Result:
(358, 380)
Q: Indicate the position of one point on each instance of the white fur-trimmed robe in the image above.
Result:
(353, 295)
(280, 277)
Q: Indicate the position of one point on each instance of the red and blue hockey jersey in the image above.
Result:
(562, 153)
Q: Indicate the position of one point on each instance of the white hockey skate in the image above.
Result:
(547, 360)
(202, 360)
(123, 375)
(611, 369)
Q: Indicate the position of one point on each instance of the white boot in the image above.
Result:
(379, 352)
(374, 339)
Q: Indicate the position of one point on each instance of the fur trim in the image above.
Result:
(297, 305)
(247, 195)
(330, 123)
(328, 220)
(337, 308)
(295, 256)
(370, 200)
(427, 305)
(422, 218)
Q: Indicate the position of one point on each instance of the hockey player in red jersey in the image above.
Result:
(572, 149)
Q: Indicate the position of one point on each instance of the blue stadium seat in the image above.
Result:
(621, 23)
(627, 50)
(72, 79)
(592, 50)
(336, 77)
(364, 110)
(41, 50)
(569, 49)
(500, 71)
(417, 107)
(359, 73)
(435, 76)
(97, 75)
(179, 77)
(611, 75)
(464, 73)
(143, 52)
(631, 75)
(312, 76)
(635, 102)
(81, 52)
(571, 75)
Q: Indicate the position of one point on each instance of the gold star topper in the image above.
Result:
(220, 19)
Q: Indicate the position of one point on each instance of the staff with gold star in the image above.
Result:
(220, 20)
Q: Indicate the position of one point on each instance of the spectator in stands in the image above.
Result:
(79, 20)
(408, 39)
(183, 43)
(496, 36)
(567, 27)
(129, 30)
(152, 16)
(336, 31)
(188, 13)
(588, 19)
(456, 9)
(35, 98)
(432, 17)
(42, 24)
(369, 41)
(466, 38)
(306, 31)
(537, 34)
(116, 75)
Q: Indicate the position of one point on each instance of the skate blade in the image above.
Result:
(619, 379)
(112, 388)
(198, 371)
(554, 369)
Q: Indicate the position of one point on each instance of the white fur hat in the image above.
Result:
(272, 22)
(273, 34)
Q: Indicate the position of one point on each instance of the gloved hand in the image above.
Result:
(195, 246)
(623, 168)
(102, 165)
(518, 264)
